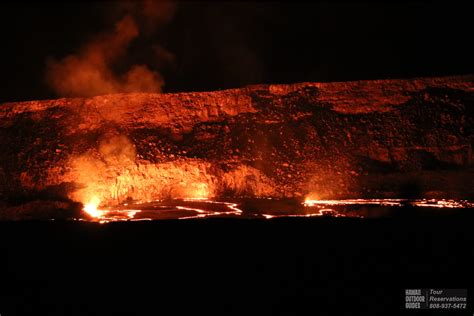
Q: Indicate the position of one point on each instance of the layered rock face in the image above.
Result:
(349, 139)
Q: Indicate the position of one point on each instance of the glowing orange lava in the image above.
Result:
(202, 207)
(91, 208)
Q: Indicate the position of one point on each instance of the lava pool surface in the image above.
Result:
(268, 208)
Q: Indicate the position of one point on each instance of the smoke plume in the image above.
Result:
(91, 71)
(112, 173)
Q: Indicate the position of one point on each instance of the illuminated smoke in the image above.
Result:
(111, 174)
(91, 71)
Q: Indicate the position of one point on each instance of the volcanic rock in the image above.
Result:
(382, 138)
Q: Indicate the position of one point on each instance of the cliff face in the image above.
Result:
(366, 138)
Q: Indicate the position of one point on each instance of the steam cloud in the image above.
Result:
(111, 173)
(91, 72)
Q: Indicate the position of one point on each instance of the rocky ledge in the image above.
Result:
(383, 138)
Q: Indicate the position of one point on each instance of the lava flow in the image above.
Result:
(265, 208)
(154, 210)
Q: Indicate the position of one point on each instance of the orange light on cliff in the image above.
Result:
(197, 191)
(91, 207)
(310, 200)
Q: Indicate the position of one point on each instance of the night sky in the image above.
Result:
(224, 45)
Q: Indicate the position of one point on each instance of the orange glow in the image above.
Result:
(114, 174)
(105, 216)
(206, 208)
(310, 200)
(198, 191)
(91, 207)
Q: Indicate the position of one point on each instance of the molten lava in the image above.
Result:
(91, 208)
(266, 208)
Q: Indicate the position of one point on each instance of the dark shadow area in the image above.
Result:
(325, 266)
(232, 44)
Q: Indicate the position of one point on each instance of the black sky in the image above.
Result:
(223, 45)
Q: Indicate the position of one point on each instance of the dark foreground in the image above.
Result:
(283, 266)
